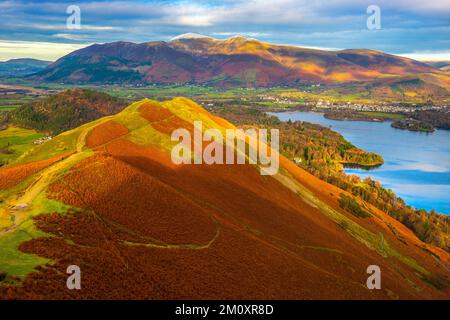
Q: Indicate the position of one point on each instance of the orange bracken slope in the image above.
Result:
(144, 228)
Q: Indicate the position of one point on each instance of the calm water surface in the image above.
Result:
(417, 165)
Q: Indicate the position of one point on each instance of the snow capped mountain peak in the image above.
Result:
(190, 35)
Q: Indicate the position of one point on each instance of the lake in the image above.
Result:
(417, 165)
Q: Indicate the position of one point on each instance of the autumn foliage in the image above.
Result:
(104, 133)
(141, 227)
(11, 176)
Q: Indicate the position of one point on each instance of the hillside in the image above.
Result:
(64, 111)
(236, 61)
(21, 67)
(323, 152)
(443, 65)
(107, 197)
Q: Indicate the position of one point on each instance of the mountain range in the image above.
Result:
(239, 61)
(106, 196)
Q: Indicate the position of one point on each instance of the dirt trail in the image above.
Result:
(11, 206)
(191, 246)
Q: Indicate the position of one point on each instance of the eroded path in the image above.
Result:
(18, 209)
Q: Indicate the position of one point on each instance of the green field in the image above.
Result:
(274, 105)
(383, 115)
(16, 141)
(11, 102)
(8, 107)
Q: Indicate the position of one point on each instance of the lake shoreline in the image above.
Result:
(413, 161)
(367, 167)
(367, 116)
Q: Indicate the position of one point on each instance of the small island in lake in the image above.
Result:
(372, 116)
(412, 125)
(351, 115)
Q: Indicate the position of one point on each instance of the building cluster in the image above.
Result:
(277, 99)
(381, 107)
(42, 140)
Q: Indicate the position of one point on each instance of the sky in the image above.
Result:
(418, 29)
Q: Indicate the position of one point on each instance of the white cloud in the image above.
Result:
(38, 50)
(428, 55)
(69, 36)
(407, 25)
(63, 26)
(195, 21)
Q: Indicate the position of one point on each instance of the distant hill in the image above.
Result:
(65, 110)
(107, 197)
(237, 61)
(443, 65)
(22, 67)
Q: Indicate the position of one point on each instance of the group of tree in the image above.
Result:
(63, 111)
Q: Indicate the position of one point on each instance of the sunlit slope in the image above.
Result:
(107, 197)
(238, 62)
